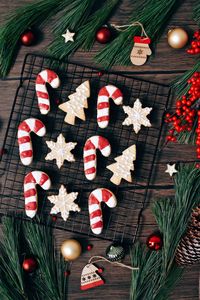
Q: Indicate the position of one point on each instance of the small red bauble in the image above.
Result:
(155, 242)
(67, 273)
(27, 38)
(103, 35)
(29, 264)
(89, 247)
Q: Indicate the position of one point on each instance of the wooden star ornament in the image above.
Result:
(68, 36)
(64, 203)
(171, 169)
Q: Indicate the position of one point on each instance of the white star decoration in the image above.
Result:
(68, 36)
(64, 203)
(171, 169)
(137, 116)
(60, 151)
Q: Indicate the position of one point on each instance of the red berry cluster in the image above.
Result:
(183, 118)
(195, 44)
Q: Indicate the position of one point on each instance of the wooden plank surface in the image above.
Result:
(163, 68)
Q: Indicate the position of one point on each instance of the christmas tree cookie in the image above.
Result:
(123, 166)
(76, 104)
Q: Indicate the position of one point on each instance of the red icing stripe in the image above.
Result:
(106, 195)
(51, 75)
(30, 193)
(93, 200)
(31, 206)
(40, 80)
(43, 179)
(43, 106)
(89, 158)
(103, 105)
(96, 213)
(38, 125)
(117, 93)
(103, 143)
(103, 92)
(27, 153)
(103, 118)
(42, 95)
(89, 145)
(24, 126)
(90, 171)
(29, 178)
(24, 139)
(98, 224)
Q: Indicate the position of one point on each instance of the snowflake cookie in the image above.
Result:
(64, 203)
(60, 151)
(137, 116)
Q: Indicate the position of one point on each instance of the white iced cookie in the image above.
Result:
(76, 104)
(137, 116)
(60, 151)
(64, 203)
(123, 166)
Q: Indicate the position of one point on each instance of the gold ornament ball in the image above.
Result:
(177, 38)
(71, 249)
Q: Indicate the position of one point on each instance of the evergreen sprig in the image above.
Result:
(85, 35)
(196, 12)
(154, 16)
(158, 272)
(21, 19)
(48, 281)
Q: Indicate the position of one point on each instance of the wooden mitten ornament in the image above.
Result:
(90, 278)
(140, 50)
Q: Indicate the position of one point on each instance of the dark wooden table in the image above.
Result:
(163, 68)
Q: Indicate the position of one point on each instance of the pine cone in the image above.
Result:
(188, 251)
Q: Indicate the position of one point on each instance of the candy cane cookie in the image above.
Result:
(44, 77)
(103, 105)
(94, 206)
(24, 138)
(30, 193)
(89, 154)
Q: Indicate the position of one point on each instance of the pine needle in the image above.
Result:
(85, 35)
(23, 18)
(196, 12)
(153, 16)
(52, 283)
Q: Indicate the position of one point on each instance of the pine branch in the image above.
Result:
(153, 16)
(12, 279)
(75, 14)
(85, 35)
(52, 283)
(158, 272)
(23, 18)
(196, 12)
(172, 215)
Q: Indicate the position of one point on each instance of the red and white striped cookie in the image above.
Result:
(30, 193)
(103, 105)
(94, 205)
(89, 154)
(24, 138)
(45, 76)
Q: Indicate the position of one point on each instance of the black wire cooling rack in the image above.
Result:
(120, 223)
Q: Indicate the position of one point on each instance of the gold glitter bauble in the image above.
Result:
(177, 38)
(71, 249)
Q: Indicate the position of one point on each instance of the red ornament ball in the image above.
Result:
(89, 247)
(103, 35)
(154, 242)
(27, 38)
(67, 273)
(29, 264)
